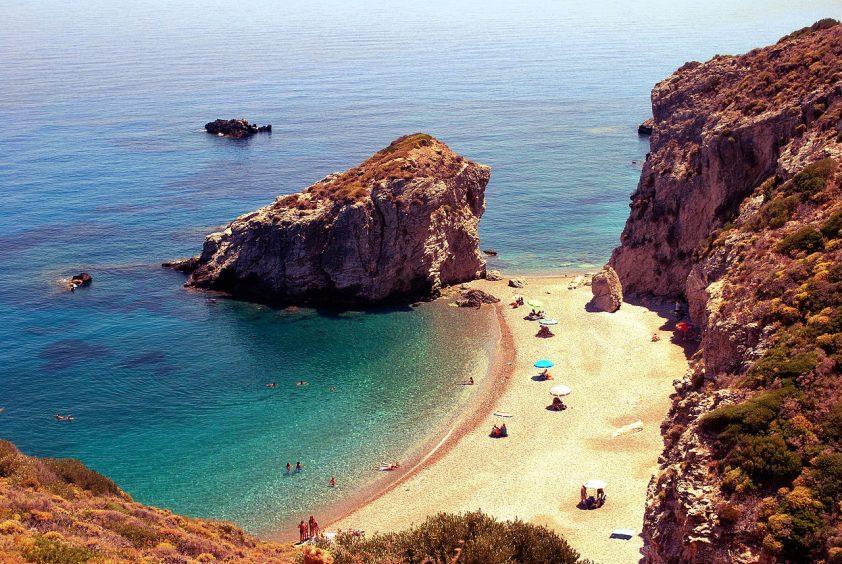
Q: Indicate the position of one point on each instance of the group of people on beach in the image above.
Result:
(499, 432)
(309, 530)
(589, 501)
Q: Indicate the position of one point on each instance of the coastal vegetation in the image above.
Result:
(58, 511)
(470, 538)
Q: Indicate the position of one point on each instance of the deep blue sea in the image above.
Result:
(104, 168)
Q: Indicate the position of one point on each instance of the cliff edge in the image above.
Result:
(399, 226)
(739, 211)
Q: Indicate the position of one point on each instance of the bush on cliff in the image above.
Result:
(812, 178)
(473, 537)
(807, 239)
(832, 226)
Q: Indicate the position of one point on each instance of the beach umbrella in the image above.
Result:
(503, 413)
(536, 303)
(595, 484)
(544, 363)
(559, 390)
(549, 322)
(683, 326)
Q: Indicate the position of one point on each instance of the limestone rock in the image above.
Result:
(646, 128)
(398, 227)
(518, 282)
(606, 289)
(493, 275)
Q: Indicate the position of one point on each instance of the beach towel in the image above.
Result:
(624, 534)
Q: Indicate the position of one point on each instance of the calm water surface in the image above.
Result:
(104, 168)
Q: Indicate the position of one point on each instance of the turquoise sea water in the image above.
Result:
(104, 168)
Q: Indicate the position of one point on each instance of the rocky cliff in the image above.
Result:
(739, 211)
(57, 510)
(399, 226)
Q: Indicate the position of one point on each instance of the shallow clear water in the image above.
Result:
(104, 168)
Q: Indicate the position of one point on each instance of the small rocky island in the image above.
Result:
(236, 128)
(398, 227)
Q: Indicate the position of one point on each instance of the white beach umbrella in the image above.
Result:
(596, 484)
(560, 390)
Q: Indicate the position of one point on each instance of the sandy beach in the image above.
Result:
(618, 376)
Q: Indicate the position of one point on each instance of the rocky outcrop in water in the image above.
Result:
(236, 128)
(739, 210)
(606, 289)
(398, 227)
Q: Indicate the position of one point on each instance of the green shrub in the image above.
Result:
(728, 513)
(807, 239)
(831, 426)
(832, 226)
(767, 460)
(775, 213)
(812, 178)
(139, 535)
(751, 416)
(779, 362)
(827, 478)
(74, 472)
(478, 537)
(51, 551)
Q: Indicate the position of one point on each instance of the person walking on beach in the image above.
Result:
(302, 531)
(314, 527)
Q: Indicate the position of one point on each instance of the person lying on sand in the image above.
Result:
(388, 467)
(468, 382)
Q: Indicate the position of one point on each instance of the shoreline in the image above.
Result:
(618, 376)
(434, 446)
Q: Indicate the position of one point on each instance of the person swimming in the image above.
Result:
(289, 467)
(298, 466)
(301, 383)
(272, 385)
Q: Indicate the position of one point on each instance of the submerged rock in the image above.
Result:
(607, 291)
(398, 227)
(236, 128)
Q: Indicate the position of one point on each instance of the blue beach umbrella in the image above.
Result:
(544, 363)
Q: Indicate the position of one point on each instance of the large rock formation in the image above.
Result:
(400, 226)
(739, 209)
(720, 130)
(606, 289)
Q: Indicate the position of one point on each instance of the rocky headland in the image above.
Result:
(398, 227)
(236, 128)
(738, 212)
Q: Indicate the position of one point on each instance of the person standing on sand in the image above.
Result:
(583, 493)
(314, 527)
(302, 531)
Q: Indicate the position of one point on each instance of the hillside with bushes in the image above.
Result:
(738, 212)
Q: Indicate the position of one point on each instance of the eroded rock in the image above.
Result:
(606, 289)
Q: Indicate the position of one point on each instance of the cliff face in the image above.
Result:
(60, 511)
(720, 129)
(739, 210)
(401, 225)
